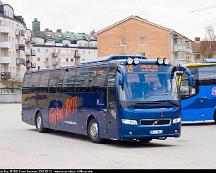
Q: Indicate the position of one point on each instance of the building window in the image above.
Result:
(123, 41)
(72, 60)
(47, 51)
(38, 50)
(47, 59)
(38, 59)
(66, 59)
(142, 40)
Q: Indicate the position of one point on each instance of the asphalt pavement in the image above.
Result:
(22, 147)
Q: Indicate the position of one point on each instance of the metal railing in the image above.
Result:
(5, 91)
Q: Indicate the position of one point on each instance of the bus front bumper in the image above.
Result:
(134, 132)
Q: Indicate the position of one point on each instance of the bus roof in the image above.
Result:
(210, 60)
(117, 59)
(199, 64)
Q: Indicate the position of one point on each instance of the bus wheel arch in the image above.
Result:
(214, 115)
(93, 130)
(39, 122)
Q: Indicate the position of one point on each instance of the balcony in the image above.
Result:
(28, 52)
(5, 75)
(20, 61)
(20, 47)
(5, 45)
(5, 60)
(182, 48)
(33, 52)
(4, 29)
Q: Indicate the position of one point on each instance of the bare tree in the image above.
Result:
(208, 45)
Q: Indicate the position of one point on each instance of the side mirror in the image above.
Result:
(121, 80)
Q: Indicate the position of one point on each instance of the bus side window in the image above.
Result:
(44, 82)
(34, 82)
(186, 89)
(112, 101)
(53, 84)
(97, 77)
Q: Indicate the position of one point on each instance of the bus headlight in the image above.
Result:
(166, 61)
(177, 120)
(130, 61)
(136, 61)
(129, 122)
(160, 61)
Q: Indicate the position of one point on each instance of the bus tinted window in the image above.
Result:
(26, 80)
(205, 75)
(44, 79)
(98, 77)
(34, 80)
(69, 78)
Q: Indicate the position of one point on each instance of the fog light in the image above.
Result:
(130, 133)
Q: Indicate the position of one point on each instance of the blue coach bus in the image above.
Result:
(119, 98)
(199, 100)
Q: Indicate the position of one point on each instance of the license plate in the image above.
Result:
(156, 132)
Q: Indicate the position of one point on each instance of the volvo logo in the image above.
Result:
(155, 123)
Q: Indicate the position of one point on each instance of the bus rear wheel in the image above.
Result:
(93, 132)
(39, 123)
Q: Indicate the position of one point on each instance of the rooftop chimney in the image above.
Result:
(197, 39)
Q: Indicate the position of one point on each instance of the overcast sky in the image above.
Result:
(88, 15)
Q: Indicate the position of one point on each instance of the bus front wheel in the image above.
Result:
(93, 132)
(39, 123)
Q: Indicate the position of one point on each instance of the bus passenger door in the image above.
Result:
(112, 113)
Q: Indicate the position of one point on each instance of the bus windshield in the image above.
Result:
(149, 87)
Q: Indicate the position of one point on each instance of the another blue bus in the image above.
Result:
(119, 98)
(199, 101)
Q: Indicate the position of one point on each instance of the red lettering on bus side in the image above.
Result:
(71, 105)
(52, 116)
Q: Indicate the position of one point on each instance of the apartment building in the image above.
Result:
(55, 49)
(137, 36)
(203, 49)
(15, 44)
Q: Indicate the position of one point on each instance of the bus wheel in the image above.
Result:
(215, 116)
(145, 140)
(39, 123)
(93, 132)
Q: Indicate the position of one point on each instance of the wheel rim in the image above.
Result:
(94, 130)
(39, 122)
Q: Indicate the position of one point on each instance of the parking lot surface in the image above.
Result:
(21, 146)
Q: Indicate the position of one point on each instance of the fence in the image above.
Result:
(10, 95)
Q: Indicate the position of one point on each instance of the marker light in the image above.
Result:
(160, 61)
(130, 61)
(136, 61)
(166, 61)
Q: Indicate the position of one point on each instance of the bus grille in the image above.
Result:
(155, 122)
